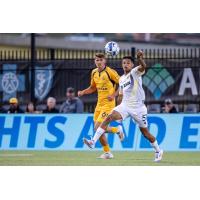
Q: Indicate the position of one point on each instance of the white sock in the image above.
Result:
(155, 146)
(98, 134)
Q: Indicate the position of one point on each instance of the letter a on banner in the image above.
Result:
(187, 82)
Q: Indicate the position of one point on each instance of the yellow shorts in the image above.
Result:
(101, 113)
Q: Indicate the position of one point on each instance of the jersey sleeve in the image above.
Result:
(136, 72)
(92, 83)
(114, 76)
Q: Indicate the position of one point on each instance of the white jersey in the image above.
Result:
(131, 87)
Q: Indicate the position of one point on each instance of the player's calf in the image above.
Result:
(147, 135)
(154, 144)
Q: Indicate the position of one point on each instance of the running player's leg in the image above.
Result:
(116, 130)
(141, 119)
(145, 132)
(111, 129)
(103, 114)
(103, 127)
(154, 143)
(99, 116)
(118, 113)
(106, 148)
(103, 139)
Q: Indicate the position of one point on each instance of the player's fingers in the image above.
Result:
(109, 98)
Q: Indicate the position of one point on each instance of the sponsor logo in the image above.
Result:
(158, 80)
(43, 81)
(11, 82)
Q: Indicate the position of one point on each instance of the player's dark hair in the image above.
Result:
(128, 57)
(100, 55)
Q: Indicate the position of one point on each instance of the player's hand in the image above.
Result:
(140, 54)
(110, 97)
(80, 93)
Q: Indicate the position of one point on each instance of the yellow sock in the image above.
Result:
(106, 148)
(113, 129)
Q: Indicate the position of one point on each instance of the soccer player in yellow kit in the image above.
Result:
(104, 80)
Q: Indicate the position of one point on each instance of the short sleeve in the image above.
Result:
(114, 76)
(136, 72)
(92, 83)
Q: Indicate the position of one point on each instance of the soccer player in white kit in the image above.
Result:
(132, 98)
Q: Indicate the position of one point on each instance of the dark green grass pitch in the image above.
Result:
(89, 158)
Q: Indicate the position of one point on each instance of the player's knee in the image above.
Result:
(109, 118)
(105, 123)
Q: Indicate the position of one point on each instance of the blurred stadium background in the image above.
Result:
(70, 57)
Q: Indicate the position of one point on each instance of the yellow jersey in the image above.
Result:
(105, 82)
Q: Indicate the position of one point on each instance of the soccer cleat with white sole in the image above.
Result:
(106, 155)
(158, 156)
(120, 133)
(89, 143)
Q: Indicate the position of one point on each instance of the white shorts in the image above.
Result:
(139, 114)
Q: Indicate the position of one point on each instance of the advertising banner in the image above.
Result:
(174, 132)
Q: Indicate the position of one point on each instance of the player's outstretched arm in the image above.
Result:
(88, 90)
(142, 64)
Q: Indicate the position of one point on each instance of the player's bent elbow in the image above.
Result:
(92, 89)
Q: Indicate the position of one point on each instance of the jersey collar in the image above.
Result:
(102, 69)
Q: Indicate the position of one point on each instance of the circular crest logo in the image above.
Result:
(9, 82)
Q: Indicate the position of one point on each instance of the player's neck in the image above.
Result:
(126, 72)
(100, 69)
